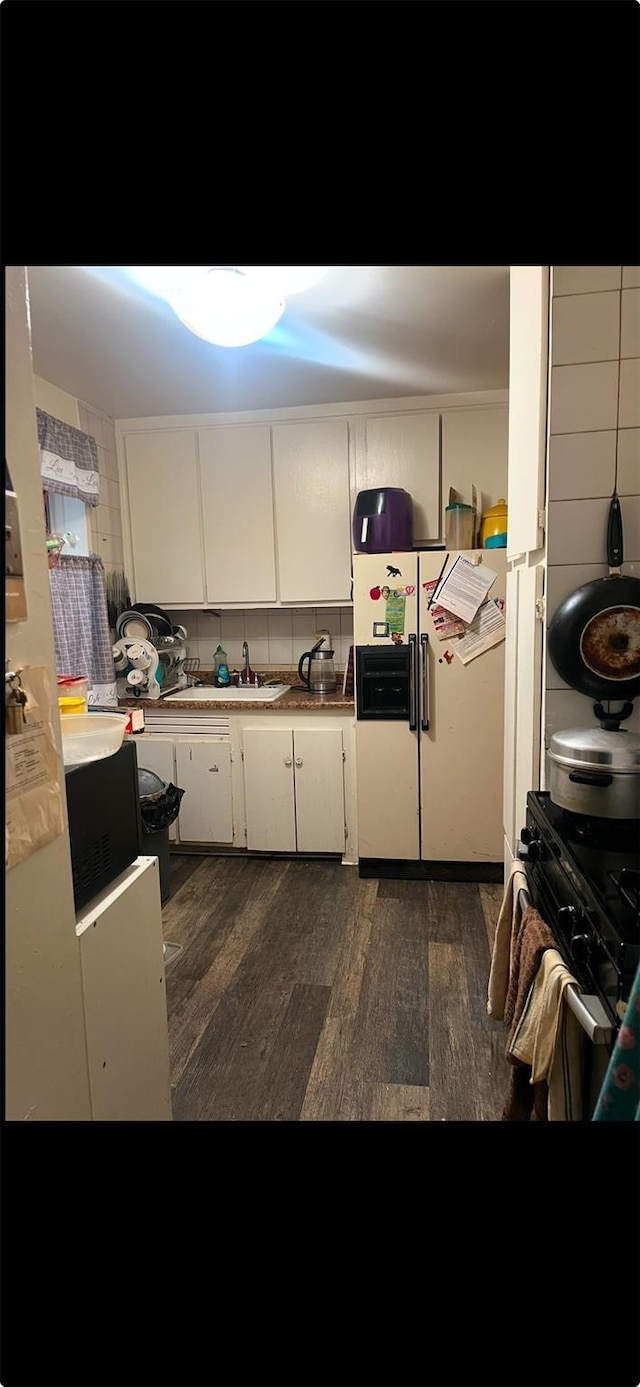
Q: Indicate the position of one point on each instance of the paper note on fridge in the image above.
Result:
(465, 588)
(486, 629)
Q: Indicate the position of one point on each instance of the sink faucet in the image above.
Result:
(245, 656)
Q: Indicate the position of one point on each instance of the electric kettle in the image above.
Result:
(321, 678)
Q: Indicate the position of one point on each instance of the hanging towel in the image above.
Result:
(619, 1099)
(507, 930)
(549, 1039)
(524, 1098)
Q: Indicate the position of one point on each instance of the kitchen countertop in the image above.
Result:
(294, 699)
(291, 700)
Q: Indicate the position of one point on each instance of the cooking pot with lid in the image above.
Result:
(596, 772)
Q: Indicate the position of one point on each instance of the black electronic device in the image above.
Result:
(103, 808)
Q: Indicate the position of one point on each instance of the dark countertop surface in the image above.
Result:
(293, 699)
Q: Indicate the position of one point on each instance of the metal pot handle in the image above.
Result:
(598, 781)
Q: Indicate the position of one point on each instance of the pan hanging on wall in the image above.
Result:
(594, 636)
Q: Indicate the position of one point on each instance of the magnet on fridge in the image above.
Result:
(393, 572)
(381, 628)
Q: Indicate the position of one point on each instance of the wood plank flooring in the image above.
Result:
(303, 993)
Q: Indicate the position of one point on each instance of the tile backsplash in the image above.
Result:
(275, 638)
(105, 518)
(594, 443)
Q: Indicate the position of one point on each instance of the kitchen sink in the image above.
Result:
(244, 694)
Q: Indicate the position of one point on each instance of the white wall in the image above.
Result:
(45, 1059)
(594, 421)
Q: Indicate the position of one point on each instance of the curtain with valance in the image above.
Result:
(68, 459)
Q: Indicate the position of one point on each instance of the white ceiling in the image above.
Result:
(365, 332)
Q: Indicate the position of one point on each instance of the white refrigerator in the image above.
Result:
(429, 769)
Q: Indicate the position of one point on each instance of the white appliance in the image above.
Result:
(429, 729)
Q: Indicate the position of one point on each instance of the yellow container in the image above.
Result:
(493, 530)
(72, 705)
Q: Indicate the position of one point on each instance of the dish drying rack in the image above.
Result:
(191, 668)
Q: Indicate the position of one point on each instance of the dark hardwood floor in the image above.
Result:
(303, 993)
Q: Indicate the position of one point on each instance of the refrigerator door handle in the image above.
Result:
(413, 684)
(424, 641)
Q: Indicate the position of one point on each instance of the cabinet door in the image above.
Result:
(319, 782)
(123, 983)
(404, 450)
(268, 789)
(203, 769)
(157, 754)
(313, 522)
(475, 453)
(164, 515)
(528, 360)
(237, 506)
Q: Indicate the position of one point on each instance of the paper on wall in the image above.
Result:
(464, 588)
(486, 629)
(33, 798)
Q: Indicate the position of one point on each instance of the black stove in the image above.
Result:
(583, 877)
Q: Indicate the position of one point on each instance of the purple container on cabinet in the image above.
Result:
(383, 520)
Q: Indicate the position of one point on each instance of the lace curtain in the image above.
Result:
(83, 642)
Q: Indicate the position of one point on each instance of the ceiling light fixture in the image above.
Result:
(232, 306)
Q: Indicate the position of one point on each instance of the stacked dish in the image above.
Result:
(145, 621)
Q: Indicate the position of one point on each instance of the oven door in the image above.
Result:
(593, 1011)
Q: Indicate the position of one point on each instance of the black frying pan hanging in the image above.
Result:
(594, 636)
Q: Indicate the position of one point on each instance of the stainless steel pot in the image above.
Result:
(596, 773)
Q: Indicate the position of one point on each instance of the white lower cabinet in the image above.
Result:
(294, 789)
(203, 771)
(125, 1001)
(158, 754)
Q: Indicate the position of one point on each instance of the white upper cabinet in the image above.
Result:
(475, 453)
(404, 450)
(164, 516)
(237, 508)
(311, 479)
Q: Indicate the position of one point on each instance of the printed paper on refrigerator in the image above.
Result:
(486, 629)
(465, 588)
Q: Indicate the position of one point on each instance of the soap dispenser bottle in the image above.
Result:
(221, 675)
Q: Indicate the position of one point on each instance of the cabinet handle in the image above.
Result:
(298, 760)
(288, 761)
(213, 768)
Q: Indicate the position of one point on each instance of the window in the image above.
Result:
(67, 516)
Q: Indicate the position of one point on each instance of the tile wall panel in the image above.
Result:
(586, 327)
(581, 464)
(628, 462)
(584, 279)
(584, 398)
(594, 443)
(273, 642)
(630, 394)
(630, 341)
(105, 520)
